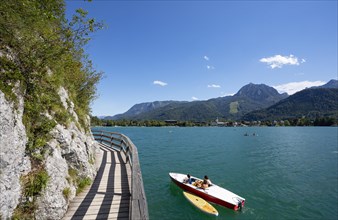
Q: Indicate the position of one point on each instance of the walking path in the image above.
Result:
(109, 196)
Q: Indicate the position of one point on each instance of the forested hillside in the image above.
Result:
(142, 108)
(250, 97)
(309, 103)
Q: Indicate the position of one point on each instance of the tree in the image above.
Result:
(41, 51)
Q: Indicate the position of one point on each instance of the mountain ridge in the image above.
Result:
(311, 103)
(250, 97)
(333, 83)
(141, 108)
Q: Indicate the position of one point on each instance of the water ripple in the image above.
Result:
(284, 173)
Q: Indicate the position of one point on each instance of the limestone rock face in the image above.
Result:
(13, 161)
(70, 148)
(65, 100)
(53, 204)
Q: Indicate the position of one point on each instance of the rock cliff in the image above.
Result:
(13, 161)
(69, 158)
(47, 82)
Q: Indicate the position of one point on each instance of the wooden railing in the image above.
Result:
(138, 204)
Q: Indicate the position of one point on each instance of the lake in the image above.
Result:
(282, 172)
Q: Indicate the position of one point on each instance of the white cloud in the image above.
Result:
(194, 98)
(293, 87)
(210, 67)
(160, 83)
(214, 86)
(223, 94)
(279, 61)
(206, 58)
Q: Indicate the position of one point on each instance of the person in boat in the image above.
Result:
(206, 182)
(187, 179)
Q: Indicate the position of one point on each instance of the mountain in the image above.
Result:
(140, 108)
(249, 98)
(260, 93)
(331, 84)
(312, 103)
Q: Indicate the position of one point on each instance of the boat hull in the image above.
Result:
(210, 198)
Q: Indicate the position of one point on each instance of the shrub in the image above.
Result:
(82, 183)
(91, 159)
(66, 192)
(35, 182)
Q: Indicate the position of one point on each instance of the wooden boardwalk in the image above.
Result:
(109, 196)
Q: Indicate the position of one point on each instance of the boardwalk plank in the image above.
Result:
(99, 200)
(98, 205)
(107, 197)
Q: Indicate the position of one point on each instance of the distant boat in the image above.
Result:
(214, 193)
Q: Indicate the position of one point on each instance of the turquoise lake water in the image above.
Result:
(282, 172)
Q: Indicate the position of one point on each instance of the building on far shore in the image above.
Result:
(171, 122)
(218, 123)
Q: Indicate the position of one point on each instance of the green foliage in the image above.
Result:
(82, 183)
(38, 134)
(287, 123)
(66, 192)
(8, 77)
(24, 210)
(249, 98)
(304, 106)
(42, 51)
(303, 121)
(327, 121)
(233, 107)
(95, 121)
(150, 123)
(91, 159)
(35, 182)
(77, 180)
(73, 173)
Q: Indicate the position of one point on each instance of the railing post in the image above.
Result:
(138, 208)
(127, 153)
(111, 140)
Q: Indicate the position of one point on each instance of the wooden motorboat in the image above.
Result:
(213, 193)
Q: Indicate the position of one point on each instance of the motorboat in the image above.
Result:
(213, 193)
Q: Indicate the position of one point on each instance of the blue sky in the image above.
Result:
(197, 50)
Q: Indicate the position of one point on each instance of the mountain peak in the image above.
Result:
(333, 83)
(259, 92)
